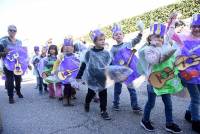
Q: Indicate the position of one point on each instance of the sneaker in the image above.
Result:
(116, 108)
(137, 109)
(87, 107)
(196, 126)
(173, 128)
(105, 115)
(11, 100)
(60, 98)
(20, 95)
(188, 116)
(147, 126)
(74, 98)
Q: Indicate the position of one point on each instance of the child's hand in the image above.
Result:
(52, 72)
(140, 26)
(173, 16)
(44, 75)
(29, 67)
(172, 19)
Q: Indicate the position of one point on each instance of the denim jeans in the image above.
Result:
(194, 91)
(117, 92)
(166, 98)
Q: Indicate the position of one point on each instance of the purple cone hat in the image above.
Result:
(95, 33)
(195, 19)
(158, 29)
(70, 67)
(123, 57)
(11, 59)
(116, 28)
(68, 42)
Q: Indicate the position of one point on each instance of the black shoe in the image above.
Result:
(105, 115)
(173, 128)
(74, 98)
(116, 108)
(60, 98)
(20, 95)
(147, 126)
(196, 126)
(87, 107)
(46, 91)
(11, 100)
(188, 116)
(137, 109)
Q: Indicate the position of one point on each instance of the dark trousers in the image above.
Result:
(10, 79)
(42, 84)
(67, 90)
(102, 96)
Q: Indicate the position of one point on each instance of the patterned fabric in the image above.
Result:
(191, 47)
(171, 86)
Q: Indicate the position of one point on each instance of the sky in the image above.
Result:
(39, 20)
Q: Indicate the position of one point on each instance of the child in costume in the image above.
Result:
(48, 63)
(42, 85)
(190, 74)
(157, 56)
(96, 60)
(35, 61)
(67, 51)
(118, 36)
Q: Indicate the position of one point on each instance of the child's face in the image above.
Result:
(37, 52)
(100, 42)
(52, 51)
(68, 49)
(118, 36)
(195, 30)
(179, 29)
(44, 50)
(156, 40)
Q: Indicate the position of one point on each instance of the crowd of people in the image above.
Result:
(170, 61)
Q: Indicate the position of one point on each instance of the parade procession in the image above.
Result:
(76, 73)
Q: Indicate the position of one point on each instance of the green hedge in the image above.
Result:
(186, 7)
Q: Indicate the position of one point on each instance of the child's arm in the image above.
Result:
(83, 66)
(81, 71)
(136, 40)
(171, 34)
(55, 66)
(57, 63)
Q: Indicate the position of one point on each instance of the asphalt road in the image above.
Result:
(37, 114)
